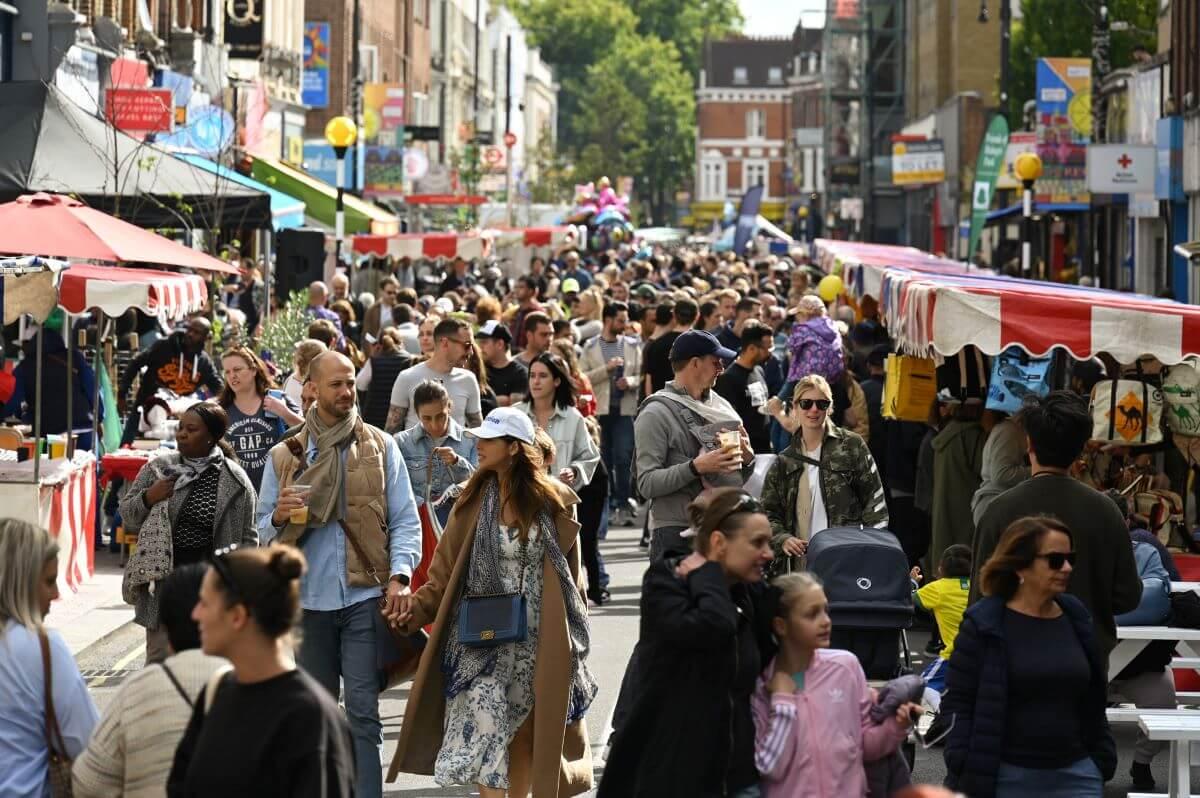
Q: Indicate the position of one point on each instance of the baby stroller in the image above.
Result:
(865, 572)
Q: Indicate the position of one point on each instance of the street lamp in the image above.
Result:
(803, 212)
(341, 133)
(1028, 168)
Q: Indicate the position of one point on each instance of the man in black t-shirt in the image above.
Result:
(507, 377)
(656, 358)
(742, 384)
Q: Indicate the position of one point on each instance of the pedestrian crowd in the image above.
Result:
(423, 496)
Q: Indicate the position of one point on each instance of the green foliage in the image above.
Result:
(285, 329)
(687, 23)
(1063, 29)
(555, 175)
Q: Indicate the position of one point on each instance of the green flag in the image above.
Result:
(987, 169)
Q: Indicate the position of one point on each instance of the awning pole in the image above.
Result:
(37, 410)
(70, 448)
(98, 362)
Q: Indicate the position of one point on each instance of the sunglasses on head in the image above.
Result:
(807, 404)
(221, 565)
(1056, 559)
(745, 504)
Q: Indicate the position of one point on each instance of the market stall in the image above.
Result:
(862, 266)
(515, 247)
(469, 246)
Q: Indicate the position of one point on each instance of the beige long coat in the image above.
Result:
(562, 761)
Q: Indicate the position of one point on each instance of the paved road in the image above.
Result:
(614, 632)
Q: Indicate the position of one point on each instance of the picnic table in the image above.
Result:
(1180, 728)
(1132, 639)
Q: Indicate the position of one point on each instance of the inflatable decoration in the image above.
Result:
(604, 213)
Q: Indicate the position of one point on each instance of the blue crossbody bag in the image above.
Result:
(491, 619)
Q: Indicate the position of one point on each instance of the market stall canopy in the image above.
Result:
(62, 227)
(53, 145)
(115, 290)
(27, 287)
(661, 235)
(286, 210)
(320, 198)
(943, 313)
(554, 237)
(467, 246)
(862, 266)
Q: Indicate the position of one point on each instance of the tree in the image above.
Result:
(640, 119)
(688, 23)
(1063, 29)
(551, 176)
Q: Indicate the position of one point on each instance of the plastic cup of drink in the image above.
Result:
(299, 515)
(731, 440)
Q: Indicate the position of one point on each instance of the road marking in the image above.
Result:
(129, 658)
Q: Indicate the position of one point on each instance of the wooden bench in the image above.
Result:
(1132, 639)
(1180, 728)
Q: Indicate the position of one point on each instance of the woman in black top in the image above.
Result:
(182, 506)
(1025, 687)
(268, 729)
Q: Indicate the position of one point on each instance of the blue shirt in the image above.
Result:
(23, 754)
(416, 446)
(325, 585)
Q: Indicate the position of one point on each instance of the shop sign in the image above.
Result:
(1121, 169)
(917, 163)
(244, 28)
(140, 110)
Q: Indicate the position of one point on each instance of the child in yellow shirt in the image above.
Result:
(946, 599)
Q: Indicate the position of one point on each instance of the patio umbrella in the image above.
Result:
(62, 227)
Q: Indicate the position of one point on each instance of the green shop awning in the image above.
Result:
(320, 199)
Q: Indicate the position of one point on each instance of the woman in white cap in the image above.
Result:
(510, 623)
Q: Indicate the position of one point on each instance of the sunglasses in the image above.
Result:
(745, 504)
(807, 404)
(1056, 559)
(221, 565)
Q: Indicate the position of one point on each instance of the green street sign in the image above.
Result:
(987, 169)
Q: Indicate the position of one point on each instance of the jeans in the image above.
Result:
(616, 449)
(341, 643)
(1078, 780)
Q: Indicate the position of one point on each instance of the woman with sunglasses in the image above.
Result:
(1026, 685)
(258, 414)
(182, 506)
(476, 706)
(705, 636)
(267, 729)
(826, 478)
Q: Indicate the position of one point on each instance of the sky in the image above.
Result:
(768, 17)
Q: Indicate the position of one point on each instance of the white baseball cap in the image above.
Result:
(505, 422)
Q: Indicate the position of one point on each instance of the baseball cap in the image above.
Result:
(505, 422)
(569, 286)
(699, 343)
(645, 291)
(494, 329)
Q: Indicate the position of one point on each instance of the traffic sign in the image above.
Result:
(510, 139)
(493, 156)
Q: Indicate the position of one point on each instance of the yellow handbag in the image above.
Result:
(909, 387)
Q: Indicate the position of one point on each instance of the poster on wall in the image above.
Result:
(383, 136)
(1064, 128)
(315, 86)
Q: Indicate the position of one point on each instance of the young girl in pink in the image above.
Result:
(811, 706)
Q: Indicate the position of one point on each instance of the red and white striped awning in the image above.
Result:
(115, 290)
(929, 313)
(554, 237)
(862, 266)
(468, 246)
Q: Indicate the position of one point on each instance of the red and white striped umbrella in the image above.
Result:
(115, 290)
(533, 236)
(468, 246)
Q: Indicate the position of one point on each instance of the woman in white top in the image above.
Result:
(826, 478)
(131, 751)
(551, 406)
(28, 584)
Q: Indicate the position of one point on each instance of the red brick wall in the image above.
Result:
(721, 120)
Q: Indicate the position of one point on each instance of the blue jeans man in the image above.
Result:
(616, 449)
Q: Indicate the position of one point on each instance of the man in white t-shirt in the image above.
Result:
(451, 344)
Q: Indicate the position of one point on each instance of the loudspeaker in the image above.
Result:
(299, 259)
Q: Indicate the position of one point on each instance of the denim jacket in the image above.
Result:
(416, 446)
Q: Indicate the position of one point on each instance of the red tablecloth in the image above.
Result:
(125, 465)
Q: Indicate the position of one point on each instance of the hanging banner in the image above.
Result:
(1064, 128)
(747, 219)
(383, 135)
(987, 170)
(315, 85)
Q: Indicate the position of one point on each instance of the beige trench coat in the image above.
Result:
(562, 760)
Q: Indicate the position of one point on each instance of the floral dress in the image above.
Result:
(482, 720)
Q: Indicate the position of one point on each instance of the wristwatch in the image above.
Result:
(401, 578)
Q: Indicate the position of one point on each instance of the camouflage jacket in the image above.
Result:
(850, 486)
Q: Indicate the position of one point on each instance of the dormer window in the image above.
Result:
(775, 75)
(741, 76)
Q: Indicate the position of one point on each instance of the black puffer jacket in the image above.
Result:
(690, 733)
(977, 698)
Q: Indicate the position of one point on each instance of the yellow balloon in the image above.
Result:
(830, 287)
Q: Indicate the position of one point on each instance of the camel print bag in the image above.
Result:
(1127, 412)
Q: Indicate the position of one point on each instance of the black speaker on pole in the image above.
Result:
(299, 259)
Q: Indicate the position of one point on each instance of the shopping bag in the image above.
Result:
(1181, 394)
(1126, 412)
(909, 387)
(1015, 376)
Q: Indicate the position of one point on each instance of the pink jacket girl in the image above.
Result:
(813, 731)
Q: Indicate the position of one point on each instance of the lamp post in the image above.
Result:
(803, 211)
(341, 133)
(1028, 168)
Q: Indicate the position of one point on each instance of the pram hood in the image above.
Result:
(865, 572)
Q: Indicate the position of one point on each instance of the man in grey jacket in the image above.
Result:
(672, 467)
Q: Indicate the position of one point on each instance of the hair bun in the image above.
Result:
(286, 563)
